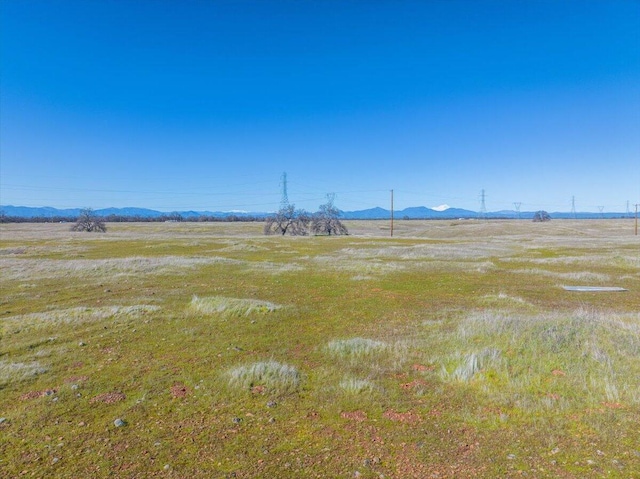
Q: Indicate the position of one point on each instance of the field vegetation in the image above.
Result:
(449, 350)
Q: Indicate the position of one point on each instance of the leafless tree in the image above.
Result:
(541, 216)
(327, 220)
(289, 221)
(89, 221)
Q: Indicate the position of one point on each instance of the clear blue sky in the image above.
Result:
(201, 105)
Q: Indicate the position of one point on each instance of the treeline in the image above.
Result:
(170, 217)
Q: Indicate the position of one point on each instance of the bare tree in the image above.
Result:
(327, 220)
(288, 220)
(89, 221)
(541, 216)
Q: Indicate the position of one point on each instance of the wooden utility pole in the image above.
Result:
(392, 212)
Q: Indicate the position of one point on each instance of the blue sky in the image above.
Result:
(202, 105)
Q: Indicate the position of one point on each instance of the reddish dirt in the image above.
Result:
(258, 390)
(179, 390)
(108, 398)
(76, 379)
(409, 417)
(422, 367)
(414, 384)
(37, 394)
(357, 416)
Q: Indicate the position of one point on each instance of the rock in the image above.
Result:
(82, 343)
(237, 420)
(3, 419)
(272, 404)
(74, 386)
(119, 423)
(511, 456)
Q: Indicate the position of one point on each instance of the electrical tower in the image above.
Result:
(517, 205)
(483, 206)
(573, 207)
(601, 208)
(284, 202)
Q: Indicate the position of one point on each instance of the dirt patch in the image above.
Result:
(422, 367)
(408, 417)
(258, 390)
(108, 398)
(414, 384)
(38, 394)
(179, 390)
(76, 379)
(358, 416)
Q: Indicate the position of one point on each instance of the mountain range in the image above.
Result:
(417, 212)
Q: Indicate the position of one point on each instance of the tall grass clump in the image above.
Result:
(581, 357)
(275, 377)
(79, 314)
(357, 386)
(475, 362)
(12, 372)
(230, 306)
(356, 347)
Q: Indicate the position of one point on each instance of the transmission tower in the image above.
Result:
(517, 205)
(483, 207)
(601, 208)
(284, 202)
(573, 207)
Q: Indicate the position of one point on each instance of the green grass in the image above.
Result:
(449, 350)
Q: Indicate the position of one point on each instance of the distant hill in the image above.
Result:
(417, 212)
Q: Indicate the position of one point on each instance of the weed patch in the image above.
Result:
(271, 376)
(356, 347)
(77, 315)
(583, 357)
(218, 305)
(11, 372)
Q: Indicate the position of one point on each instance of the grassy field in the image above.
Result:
(208, 350)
